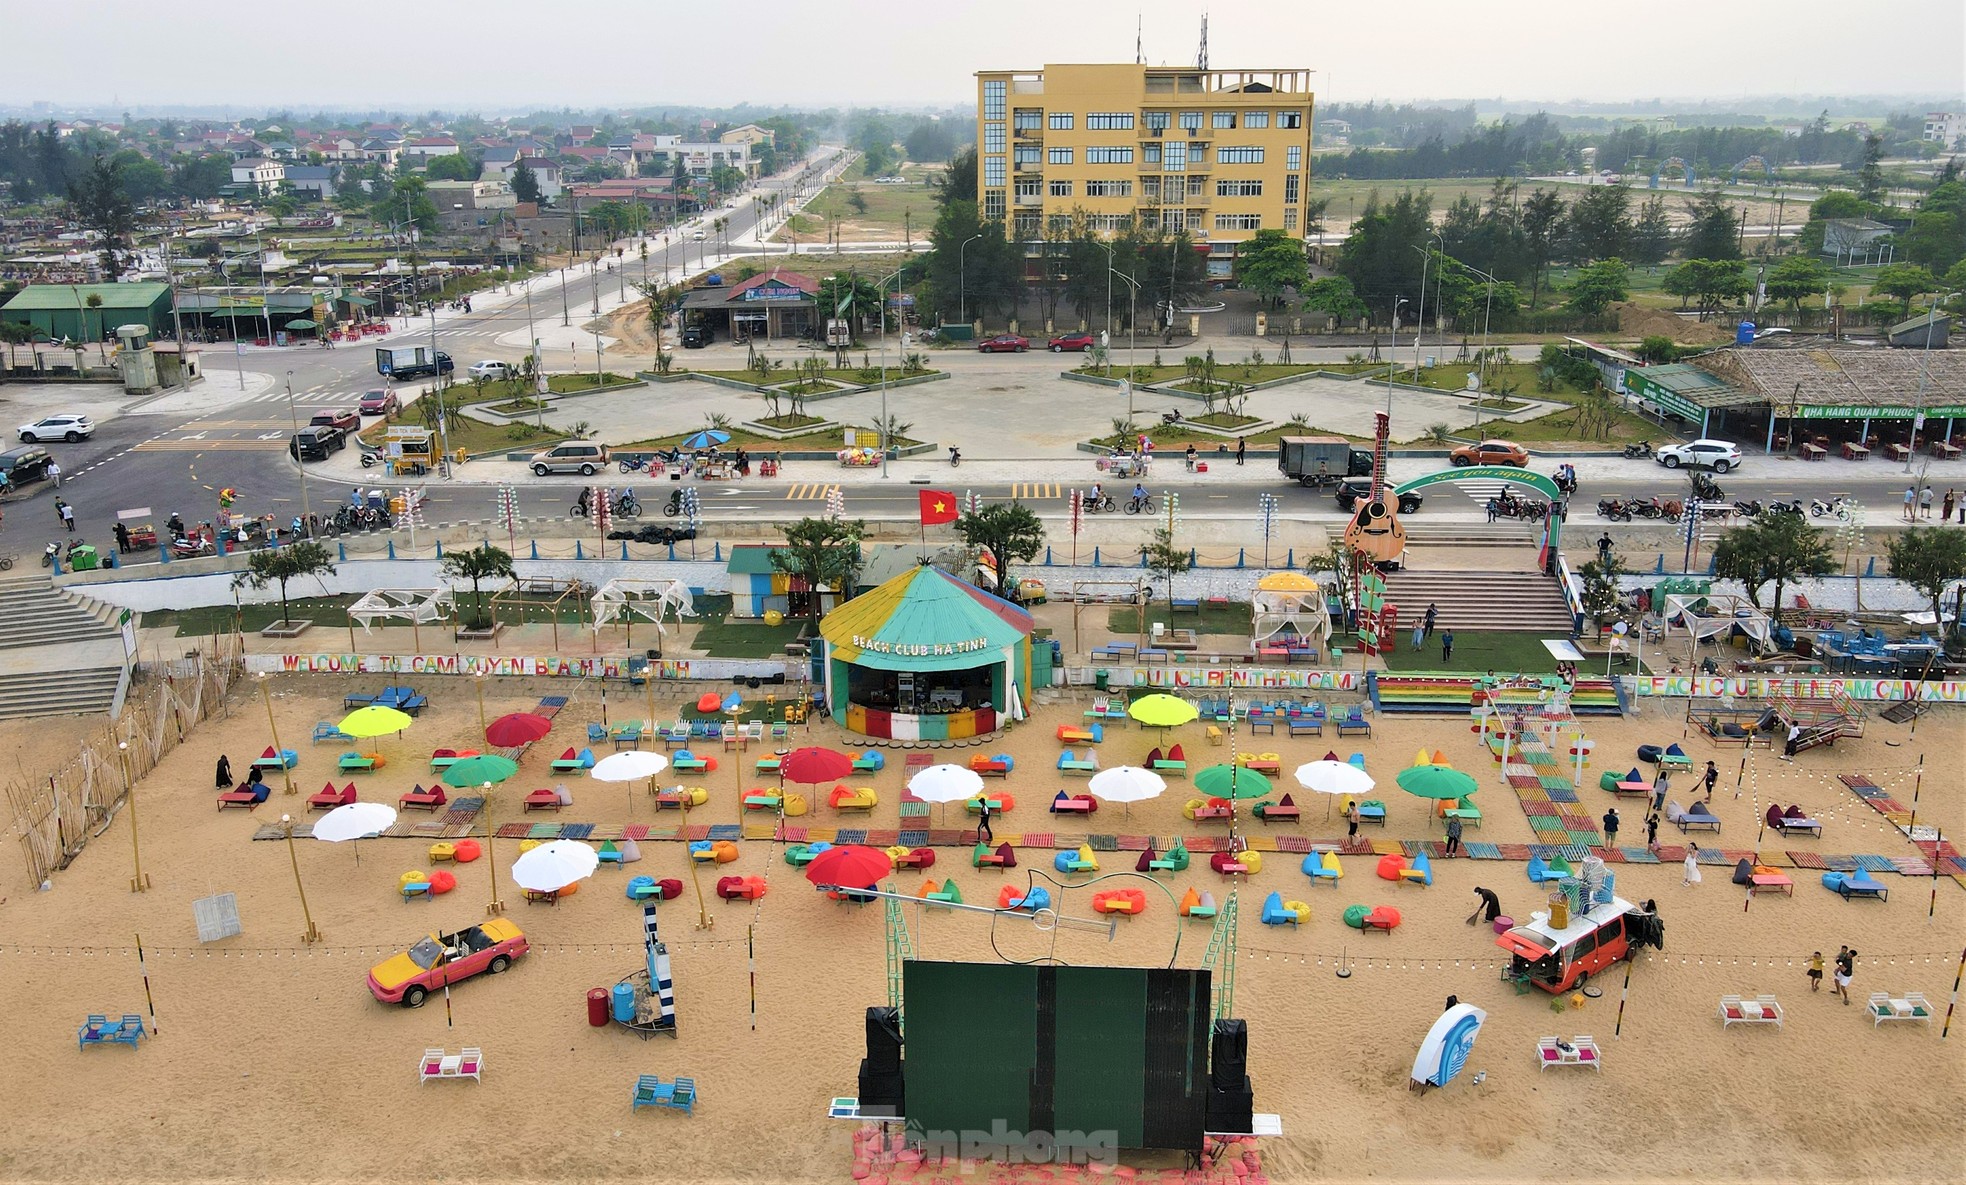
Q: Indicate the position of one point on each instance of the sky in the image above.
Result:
(512, 55)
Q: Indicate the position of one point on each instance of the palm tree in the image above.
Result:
(95, 302)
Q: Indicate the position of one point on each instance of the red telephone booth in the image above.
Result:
(1389, 628)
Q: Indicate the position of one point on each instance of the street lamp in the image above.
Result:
(1420, 310)
(312, 934)
(1132, 331)
(1488, 307)
(1924, 371)
(293, 417)
(962, 278)
(1392, 354)
(495, 906)
(883, 302)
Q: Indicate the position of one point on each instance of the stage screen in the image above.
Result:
(1076, 1059)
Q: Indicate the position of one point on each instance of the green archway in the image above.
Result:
(1503, 473)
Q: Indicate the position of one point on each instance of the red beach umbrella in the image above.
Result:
(850, 866)
(815, 764)
(519, 728)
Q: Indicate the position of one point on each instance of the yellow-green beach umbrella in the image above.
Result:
(1161, 710)
(374, 721)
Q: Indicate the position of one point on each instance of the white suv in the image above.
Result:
(1718, 455)
(69, 428)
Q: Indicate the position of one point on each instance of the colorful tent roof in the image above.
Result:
(924, 620)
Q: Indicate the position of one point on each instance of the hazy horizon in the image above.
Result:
(500, 56)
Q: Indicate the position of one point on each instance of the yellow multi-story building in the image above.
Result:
(1219, 154)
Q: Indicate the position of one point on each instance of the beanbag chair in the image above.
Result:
(467, 851)
(1355, 916)
(442, 881)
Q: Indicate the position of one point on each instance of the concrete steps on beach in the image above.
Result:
(59, 655)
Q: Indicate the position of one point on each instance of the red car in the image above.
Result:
(343, 418)
(1071, 341)
(379, 402)
(1003, 343)
(439, 959)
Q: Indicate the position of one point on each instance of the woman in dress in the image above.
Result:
(224, 772)
(1692, 864)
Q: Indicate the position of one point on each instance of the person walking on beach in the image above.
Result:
(1661, 785)
(1816, 972)
(1846, 970)
(983, 832)
(224, 772)
(1611, 822)
(1692, 865)
(1709, 778)
(1794, 741)
(1652, 831)
(1490, 907)
(1351, 819)
(1447, 646)
(1453, 836)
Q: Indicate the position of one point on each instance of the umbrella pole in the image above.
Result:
(495, 906)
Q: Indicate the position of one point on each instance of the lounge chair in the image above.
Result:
(1278, 912)
(906, 857)
(1200, 906)
(1884, 1006)
(686, 762)
(1175, 859)
(1675, 758)
(999, 804)
(359, 763)
(1859, 883)
(870, 762)
(1069, 804)
(741, 888)
(1355, 721)
(1073, 765)
(1000, 857)
(1372, 811)
(1174, 764)
(1233, 863)
(801, 854)
(1075, 862)
(626, 736)
(1016, 897)
(1578, 1051)
(1543, 873)
(284, 759)
(1696, 816)
(996, 766)
(250, 795)
(676, 735)
(860, 798)
(437, 1064)
(1323, 867)
(442, 759)
(1464, 810)
(1121, 901)
(941, 892)
(543, 800)
(326, 730)
(1069, 734)
(597, 734)
(571, 762)
(652, 1091)
(1284, 810)
(421, 799)
(1762, 1010)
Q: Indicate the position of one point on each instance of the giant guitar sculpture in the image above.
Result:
(1375, 531)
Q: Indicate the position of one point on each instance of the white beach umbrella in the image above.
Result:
(1336, 778)
(1127, 784)
(355, 821)
(554, 865)
(946, 783)
(631, 766)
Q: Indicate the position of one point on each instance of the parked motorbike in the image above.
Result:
(1526, 509)
(1642, 449)
(1747, 509)
(1615, 509)
(1170, 417)
(1838, 506)
(955, 458)
(636, 464)
(1794, 507)
(371, 457)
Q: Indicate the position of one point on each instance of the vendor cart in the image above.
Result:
(141, 535)
(1125, 465)
(860, 458)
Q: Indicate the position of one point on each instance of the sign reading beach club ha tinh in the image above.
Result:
(921, 650)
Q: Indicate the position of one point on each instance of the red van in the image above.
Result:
(1559, 960)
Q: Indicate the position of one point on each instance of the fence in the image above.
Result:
(57, 817)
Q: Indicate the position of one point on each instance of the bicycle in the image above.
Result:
(1140, 505)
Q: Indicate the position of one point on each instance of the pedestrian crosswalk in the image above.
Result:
(1035, 490)
(809, 491)
(189, 445)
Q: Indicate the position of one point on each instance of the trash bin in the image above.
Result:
(624, 1002)
(83, 558)
(1101, 678)
(597, 1007)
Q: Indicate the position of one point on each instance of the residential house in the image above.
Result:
(316, 180)
(749, 133)
(545, 170)
(419, 152)
(263, 175)
(702, 158)
(381, 151)
(1947, 129)
(464, 203)
(580, 133)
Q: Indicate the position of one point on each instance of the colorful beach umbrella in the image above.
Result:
(814, 764)
(516, 729)
(1232, 781)
(554, 865)
(1161, 710)
(374, 721)
(1436, 781)
(706, 438)
(476, 771)
(849, 866)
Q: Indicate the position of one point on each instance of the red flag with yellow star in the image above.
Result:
(938, 506)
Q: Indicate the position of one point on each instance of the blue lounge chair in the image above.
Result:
(1355, 721)
(652, 1091)
(596, 733)
(326, 731)
(872, 761)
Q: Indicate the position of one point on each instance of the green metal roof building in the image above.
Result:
(62, 310)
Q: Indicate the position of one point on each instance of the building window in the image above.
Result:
(1150, 188)
(1058, 156)
(1174, 220)
(1108, 156)
(1239, 156)
(1223, 119)
(993, 204)
(1109, 121)
(1109, 189)
(1156, 121)
(1289, 189)
(1294, 157)
(1290, 119)
(993, 137)
(1061, 189)
(1174, 158)
(1060, 121)
(1191, 121)
(1290, 219)
(1150, 154)
(993, 98)
(1197, 186)
(1238, 189)
(1025, 154)
(1197, 155)
(1110, 223)
(993, 171)
(1026, 120)
(1028, 187)
(1026, 225)
(1238, 222)
(1058, 224)
(1256, 119)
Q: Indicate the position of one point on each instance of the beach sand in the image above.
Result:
(273, 1062)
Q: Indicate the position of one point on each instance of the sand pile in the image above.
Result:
(1639, 321)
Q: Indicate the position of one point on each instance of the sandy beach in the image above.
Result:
(272, 1062)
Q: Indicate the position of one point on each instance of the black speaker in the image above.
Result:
(883, 1093)
(1230, 1109)
(1229, 1055)
(884, 1039)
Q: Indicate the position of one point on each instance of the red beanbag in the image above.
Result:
(441, 881)
(468, 850)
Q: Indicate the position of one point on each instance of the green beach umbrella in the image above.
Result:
(1436, 781)
(476, 771)
(1161, 710)
(1232, 781)
(374, 721)
(301, 323)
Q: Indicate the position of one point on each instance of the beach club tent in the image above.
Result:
(925, 656)
(1290, 601)
(1705, 616)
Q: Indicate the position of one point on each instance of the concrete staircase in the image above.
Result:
(1511, 602)
(59, 656)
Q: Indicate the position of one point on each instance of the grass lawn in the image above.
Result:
(1226, 371)
(504, 389)
(892, 211)
(324, 612)
(722, 637)
(477, 436)
(1502, 653)
(813, 259)
(1233, 618)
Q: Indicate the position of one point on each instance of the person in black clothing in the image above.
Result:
(1490, 907)
(1604, 546)
(1611, 828)
(255, 776)
(224, 778)
(1652, 830)
(1712, 776)
(1447, 646)
(1242, 447)
(1432, 618)
(122, 539)
(983, 832)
